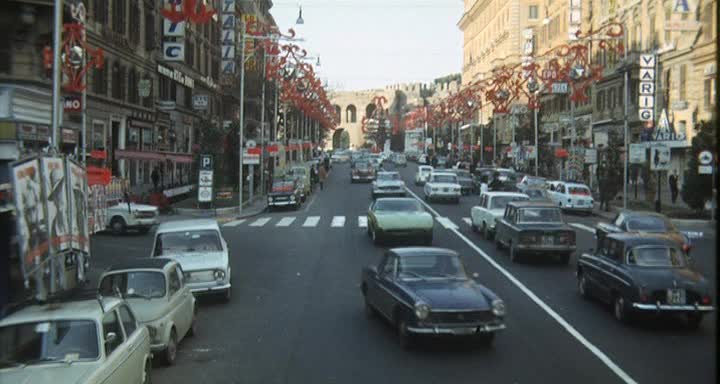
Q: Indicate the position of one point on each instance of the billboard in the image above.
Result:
(54, 188)
(32, 231)
(77, 190)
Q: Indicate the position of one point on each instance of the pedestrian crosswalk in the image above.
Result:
(343, 222)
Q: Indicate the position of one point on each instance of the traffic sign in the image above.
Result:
(637, 154)
(204, 194)
(705, 169)
(705, 157)
(205, 179)
(251, 144)
(659, 158)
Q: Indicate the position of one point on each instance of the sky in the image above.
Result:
(367, 44)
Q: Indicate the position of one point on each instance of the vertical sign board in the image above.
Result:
(659, 157)
(205, 179)
(574, 19)
(228, 37)
(646, 102)
(637, 154)
(173, 50)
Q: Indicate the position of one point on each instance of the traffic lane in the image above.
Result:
(107, 249)
(653, 340)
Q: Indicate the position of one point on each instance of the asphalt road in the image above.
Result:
(296, 314)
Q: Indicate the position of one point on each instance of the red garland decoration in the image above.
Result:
(189, 12)
(74, 38)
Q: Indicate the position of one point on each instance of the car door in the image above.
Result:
(176, 299)
(385, 283)
(501, 227)
(188, 300)
(135, 364)
(476, 212)
(610, 279)
(116, 355)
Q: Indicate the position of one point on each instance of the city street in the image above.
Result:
(296, 314)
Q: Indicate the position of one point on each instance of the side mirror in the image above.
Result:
(110, 337)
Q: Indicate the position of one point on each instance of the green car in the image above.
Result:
(399, 218)
(301, 173)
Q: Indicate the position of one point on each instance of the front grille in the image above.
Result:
(145, 214)
(460, 317)
(200, 276)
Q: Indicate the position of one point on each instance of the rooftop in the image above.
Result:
(187, 225)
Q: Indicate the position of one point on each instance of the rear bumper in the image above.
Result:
(208, 287)
(407, 233)
(535, 248)
(444, 195)
(673, 308)
(395, 192)
(457, 330)
(281, 203)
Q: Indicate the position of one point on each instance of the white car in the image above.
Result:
(340, 157)
(423, 173)
(155, 290)
(442, 185)
(201, 251)
(388, 184)
(571, 196)
(124, 216)
(422, 159)
(82, 341)
(492, 207)
(530, 182)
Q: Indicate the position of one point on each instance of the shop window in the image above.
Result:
(709, 93)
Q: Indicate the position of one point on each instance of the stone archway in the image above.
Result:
(341, 139)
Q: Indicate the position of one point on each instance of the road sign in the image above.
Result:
(206, 162)
(250, 159)
(705, 157)
(560, 87)
(659, 158)
(204, 194)
(205, 179)
(637, 154)
(200, 101)
(705, 169)
(251, 144)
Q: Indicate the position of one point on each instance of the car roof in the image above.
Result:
(422, 251)
(187, 225)
(157, 263)
(394, 199)
(502, 193)
(65, 310)
(630, 213)
(533, 204)
(634, 239)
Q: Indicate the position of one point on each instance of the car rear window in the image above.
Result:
(539, 215)
(398, 205)
(499, 202)
(579, 191)
(388, 176)
(647, 224)
(134, 284)
(444, 179)
(187, 241)
(645, 256)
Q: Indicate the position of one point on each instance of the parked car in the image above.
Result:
(123, 216)
(155, 290)
(644, 273)
(426, 291)
(467, 186)
(492, 205)
(442, 185)
(82, 341)
(363, 171)
(534, 228)
(400, 160)
(201, 251)
(572, 197)
(644, 222)
(301, 173)
(403, 218)
(285, 192)
(528, 181)
(388, 184)
(422, 174)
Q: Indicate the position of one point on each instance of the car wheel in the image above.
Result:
(147, 377)
(486, 339)
(582, 286)
(227, 295)
(193, 326)
(619, 309)
(117, 226)
(404, 336)
(486, 232)
(694, 320)
(170, 352)
(514, 254)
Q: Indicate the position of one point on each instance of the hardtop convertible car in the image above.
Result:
(426, 291)
(644, 273)
(399, 218)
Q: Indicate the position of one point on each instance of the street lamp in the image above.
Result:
(300, 20)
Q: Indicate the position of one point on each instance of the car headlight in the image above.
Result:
(498, 308)
(270, 199)
(292, 197)
(422, 311)
(219, 274)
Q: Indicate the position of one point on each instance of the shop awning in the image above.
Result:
(180, 158)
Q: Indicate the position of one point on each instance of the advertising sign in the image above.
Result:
(54, 187)
(78, 193)
(590, 156)
(228, 37)
(250, 158)
(173, 51)
(637, 154)
(30, 215)
(659, 157)
(200, 102)
(646, 110)
(72, 103)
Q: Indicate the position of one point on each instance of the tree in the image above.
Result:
(697, 188)
(610, 172)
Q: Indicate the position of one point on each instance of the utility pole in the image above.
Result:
(262, 128)
(242, 113)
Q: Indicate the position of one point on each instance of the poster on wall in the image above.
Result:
(77, 181)
(54, 187)
(31, 224)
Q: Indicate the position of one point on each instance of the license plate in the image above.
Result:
(676, 296)
(547, 240)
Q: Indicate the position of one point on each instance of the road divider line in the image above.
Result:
(311, 221)
(583, 227)
(446, 223)
(559, 319)
(234, 223)
(260, 222)
(362, 221)
(285, 222)
(338, 222)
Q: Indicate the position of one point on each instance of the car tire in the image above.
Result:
(404, 337)
(694, 320)
(192, 331)
(583, 286)
(227, 295)
(117, 226)
(486, 233)
(486, 339)
(376, 237)
(514, 254)
(147, 372)
(170, 353)
(620, 310)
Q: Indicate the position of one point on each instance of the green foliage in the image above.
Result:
(697, 189)
(611, 169)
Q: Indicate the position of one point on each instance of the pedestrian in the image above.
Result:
(673, 180)
(434, 161)
(326, 163)
(313, 176)
(322, 176)
(155, 176)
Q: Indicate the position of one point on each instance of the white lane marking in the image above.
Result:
(569, 328)
(260, 222)
(467, 220)
(446, 223)
(583, 227)
(362, 221)
(338, 221)
(285, 222)
(234, 223)
(311, 221)
(307, 209)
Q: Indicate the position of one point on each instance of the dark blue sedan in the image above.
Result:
(426, 291)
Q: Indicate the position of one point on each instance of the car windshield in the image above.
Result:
(539, 215)
(408, 205)
(187, 241)
(444, 179)
(647, 224)
(388, 176)
(425, 170)
(583, 191)
(282, 186)
(134, 284)
(660, 256)
(431, 266)
(500, 202)
(362, 166)
(48, 341)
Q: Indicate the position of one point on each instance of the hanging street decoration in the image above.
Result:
(177, 11)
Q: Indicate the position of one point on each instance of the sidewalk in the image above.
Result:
(250, 208)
